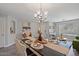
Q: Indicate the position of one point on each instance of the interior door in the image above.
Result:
(1, 32)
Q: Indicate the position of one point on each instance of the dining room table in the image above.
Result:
(49, 49)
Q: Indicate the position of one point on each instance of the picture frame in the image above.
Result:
(12, 28)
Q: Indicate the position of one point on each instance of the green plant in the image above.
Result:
(76, 45)
(77, 37)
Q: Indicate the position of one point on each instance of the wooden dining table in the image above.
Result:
(50, 49)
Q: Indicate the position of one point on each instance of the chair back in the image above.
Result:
(21, 48)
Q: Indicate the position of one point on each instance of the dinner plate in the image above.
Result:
(37, 46)
(28, 41)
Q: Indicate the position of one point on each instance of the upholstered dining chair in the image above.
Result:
(20, 48)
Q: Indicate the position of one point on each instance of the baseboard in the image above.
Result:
(9, 44)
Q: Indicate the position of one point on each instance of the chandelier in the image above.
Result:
(40, 15)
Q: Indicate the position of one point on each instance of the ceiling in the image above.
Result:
(56, 11)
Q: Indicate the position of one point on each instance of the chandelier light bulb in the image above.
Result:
(45, 12)
(35, 15)
(41, 15)
(38, 12)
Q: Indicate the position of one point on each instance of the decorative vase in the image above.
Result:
(40, 37)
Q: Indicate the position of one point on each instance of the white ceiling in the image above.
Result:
(56, 11)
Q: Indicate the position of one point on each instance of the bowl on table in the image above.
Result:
(28, 41)
(37, 45)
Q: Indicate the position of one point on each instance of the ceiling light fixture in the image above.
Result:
(40, 16)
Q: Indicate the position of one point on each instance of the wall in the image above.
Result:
(44, 29)
(18, 28)
(9, 38)
(2, 31)
(68, 28)
(23, 22)
(34, 28)
(20, 23)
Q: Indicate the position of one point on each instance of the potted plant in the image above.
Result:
(76, 43)
(77, 37)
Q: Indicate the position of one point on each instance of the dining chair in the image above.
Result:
(21, 48)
